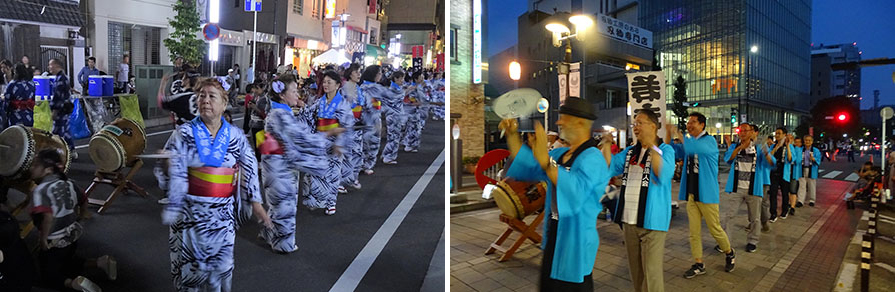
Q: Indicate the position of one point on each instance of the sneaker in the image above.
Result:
(765, 228)
(74, 155)
(811, 204)
(389, 162)
(718, 249)
(773, 219)
(792, 211)
(695, 270)
(356, 185)
(751, 248)
(730, 261)
(783, 216)
(83, 284)
(331, 211)
(164, 201)
(407, 149)
(799, 204)
(414, 151)
(368, 172)
(342, 190)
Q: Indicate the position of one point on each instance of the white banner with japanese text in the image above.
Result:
(575, 79)
(647, 91)
(563, 83)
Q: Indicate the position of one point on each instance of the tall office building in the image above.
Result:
(827, 82)
(749, 57)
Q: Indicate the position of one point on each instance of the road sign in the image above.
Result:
(575, 80)
(252, 5)
(211, 31)
(543, 104)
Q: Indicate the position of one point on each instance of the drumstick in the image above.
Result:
(4, 146)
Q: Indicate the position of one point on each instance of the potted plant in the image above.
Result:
(469, 163)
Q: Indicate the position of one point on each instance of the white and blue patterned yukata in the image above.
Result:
(355, 155)
(204, 228)
(372, 118)
(438, 96)
(395, 120)
(413, 127)
(324, 188)
(19, 102)
(299, 150)
(61, 96)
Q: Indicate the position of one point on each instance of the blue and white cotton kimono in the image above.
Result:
(761, 168)
(302, 151)
(373, 93)
(438, 96)
(395, 119)
(324, 188)
(413, 126)
(355, 154)
(203, 228)
(656, 203)
(19, 101)
(577, 192)
(61, 96)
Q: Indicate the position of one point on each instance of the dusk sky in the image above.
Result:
(870, 23)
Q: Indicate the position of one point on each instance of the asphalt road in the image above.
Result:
(387, 232)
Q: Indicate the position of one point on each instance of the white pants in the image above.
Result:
(809, 186)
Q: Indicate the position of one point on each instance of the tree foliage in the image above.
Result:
(182, 41)
(680, 97)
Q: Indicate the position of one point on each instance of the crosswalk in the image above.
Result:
(837, 175)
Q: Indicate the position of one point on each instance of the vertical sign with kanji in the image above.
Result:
(647, 92)
(575, 79)
(563, 83)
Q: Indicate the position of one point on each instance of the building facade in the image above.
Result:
(42, 31)
(827, 82)
(418, 23)
(749, 58)
(466, 87)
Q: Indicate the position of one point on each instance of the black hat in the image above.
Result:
(578, 107)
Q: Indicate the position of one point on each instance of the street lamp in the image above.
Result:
(749, 82)
(515, 70)
(562, 33)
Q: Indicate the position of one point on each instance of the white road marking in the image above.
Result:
(364, 260)
(846, 277)
(852, 177)
(832, 174)
(885, 266)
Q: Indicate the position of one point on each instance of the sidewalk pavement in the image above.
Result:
(801, 252)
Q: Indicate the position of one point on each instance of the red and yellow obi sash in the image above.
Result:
(356, 110)
(270, 145)
(212, 181)
(324, 125)
(377, 104)
(409, 99)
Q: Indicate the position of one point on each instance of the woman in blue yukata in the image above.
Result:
(213, 189)
(19, 98)
(413, 109)
(290, 146)
(395, 117)
(332, 112)
(359, 104)
(372, 115)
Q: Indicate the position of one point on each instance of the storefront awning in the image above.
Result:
(332, 56)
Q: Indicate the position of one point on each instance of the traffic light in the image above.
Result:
(733, 116)
(842, 117)
(695, 104)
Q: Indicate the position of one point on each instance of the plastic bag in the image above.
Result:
(77, 123)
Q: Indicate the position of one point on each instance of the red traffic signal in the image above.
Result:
(842, 117)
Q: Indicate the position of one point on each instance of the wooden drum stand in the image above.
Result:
(122, 182)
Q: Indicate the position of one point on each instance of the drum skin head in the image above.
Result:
(17, 156)
(106, 152)
(507, 201)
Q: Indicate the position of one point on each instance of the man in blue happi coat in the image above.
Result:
(576, 177)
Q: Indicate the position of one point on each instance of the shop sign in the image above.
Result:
(624, 31)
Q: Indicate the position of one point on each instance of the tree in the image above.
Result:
(830, 107)
(183, 42)
(680, 97)
(655, 65)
